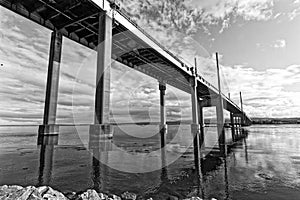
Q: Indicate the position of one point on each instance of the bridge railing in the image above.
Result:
(126, 16)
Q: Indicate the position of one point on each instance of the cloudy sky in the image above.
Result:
(258, 40)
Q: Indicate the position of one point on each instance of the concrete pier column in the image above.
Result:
(101, 129)
(163, 125)
(242, 114)
(232, 126)
(240, 122)
(104, 52)
(236, 127)
(201, 123)
(220, 128)
(195, 127)
(239, 126)
(220, 114)
(49, 127)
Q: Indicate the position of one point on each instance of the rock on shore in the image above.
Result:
(15, 192)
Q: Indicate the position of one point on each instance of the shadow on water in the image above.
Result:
(46, 163)
(195, 180)
(47, 144)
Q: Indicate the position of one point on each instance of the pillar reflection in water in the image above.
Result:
(100, 171)
(226, 178)
(47, 145)
(99, 146)
(245, 146)
(200, 180)
(96, 170)
(243, 133)
(164, 169)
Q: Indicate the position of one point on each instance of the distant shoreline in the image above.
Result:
(275, 120)
(208, 122)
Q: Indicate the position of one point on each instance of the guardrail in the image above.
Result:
(149, 36)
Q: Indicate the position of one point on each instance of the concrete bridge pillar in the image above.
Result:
(195, 127)
(220, 114)
(220, 126)
(201, 123)
(101, 129)
(238, 122)
(163, 125)
(235, 126)
(49, 127)
(232, 126)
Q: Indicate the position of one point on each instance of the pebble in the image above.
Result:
(89, 195)
(128, 196)
(51, 194)
(103, 196)
(13, 192)
(193, 198)
(30, 193)
(264, 175)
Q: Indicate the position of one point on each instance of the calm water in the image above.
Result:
(264, 165)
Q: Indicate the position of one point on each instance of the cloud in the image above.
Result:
(287, 11)
(296, 1)
(295, 13)
(190, 16)
(255, 9)
(279, 44)
(277, 15)
(266, 93)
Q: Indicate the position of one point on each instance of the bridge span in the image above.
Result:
(102, 26)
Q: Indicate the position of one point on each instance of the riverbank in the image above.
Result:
(13, 192)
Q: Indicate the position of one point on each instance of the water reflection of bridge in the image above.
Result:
(194, 179)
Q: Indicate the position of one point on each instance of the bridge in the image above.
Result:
(102, 26)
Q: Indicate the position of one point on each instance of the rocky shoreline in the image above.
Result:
(15, 192)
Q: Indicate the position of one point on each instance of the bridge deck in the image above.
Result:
(78, 21)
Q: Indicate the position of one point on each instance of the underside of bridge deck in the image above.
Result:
(78, 21)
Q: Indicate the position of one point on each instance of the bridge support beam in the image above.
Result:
(49, 127)
(163, 125)
(220, 127)
(201, 123)
(232, 126)
(237, 123)
(220, 114)
(235, 127)
(240, 118)
(101, 129)
(195, 128)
